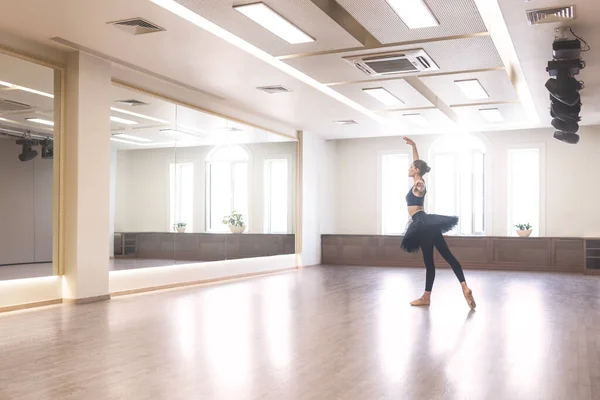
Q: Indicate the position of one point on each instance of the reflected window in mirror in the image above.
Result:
(182, 197)
(227, 185)
(277, 187)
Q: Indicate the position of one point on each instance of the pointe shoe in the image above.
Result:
(420, 302)
(469, 297)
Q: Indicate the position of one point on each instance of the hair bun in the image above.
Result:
(428, 168)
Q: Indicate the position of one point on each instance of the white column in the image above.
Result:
(86, 189)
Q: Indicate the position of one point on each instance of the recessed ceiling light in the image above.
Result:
(383, 96)
(472, 89)
(414, 13)
(491, 114)
(40, 121)
(203, 23)
(273, 22)
(125, 141)
(122, 120)
(131, 137)
(178, 131)
(416, 119)
(346, 122)
(134, 114)
(26, 89)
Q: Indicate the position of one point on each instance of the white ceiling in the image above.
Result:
(195, 57)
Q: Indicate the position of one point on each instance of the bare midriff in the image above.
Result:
(412, 210)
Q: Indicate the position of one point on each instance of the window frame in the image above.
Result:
(290, 195)
(541, 147)
(175, 163)
(484, 147)
(208, 185)
(380, 157)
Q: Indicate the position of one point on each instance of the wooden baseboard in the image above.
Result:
(87, 300)
(30, 305)
(203, 282)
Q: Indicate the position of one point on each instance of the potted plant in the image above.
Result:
(235, 221)
(180, 227)
(523, 230)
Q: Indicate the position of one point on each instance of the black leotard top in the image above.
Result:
(414, 200)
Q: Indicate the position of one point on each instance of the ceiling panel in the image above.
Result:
(437, 122)
(456, 17)
(398, 87)
(514, 114)
(450, 55)
(496, 84)
(303, 14)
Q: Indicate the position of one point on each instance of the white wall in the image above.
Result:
(142, 185)
(25, 207)
(571, 193)
(318, 195)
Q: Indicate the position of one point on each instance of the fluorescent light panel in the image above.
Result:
(273, 22)
(177, 131)
(491, 114)
(131, 137)
(201, 22)
(40, 121)
(122, 120)
(384, 96)
(472, 89)
(125, 141)
(134, 114)
(414, 13)
(26, 89)
(416, 119)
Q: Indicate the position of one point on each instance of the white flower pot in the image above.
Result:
(524, 233)
(181, 230)
(237, 229)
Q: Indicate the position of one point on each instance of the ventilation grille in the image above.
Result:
(346, 122)
(9, 105)
(274, 89)
(132, 102)
(548, 15)
(389, 63)
(137, 26)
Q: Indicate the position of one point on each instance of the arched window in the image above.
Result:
(458, 181)
(227, 185)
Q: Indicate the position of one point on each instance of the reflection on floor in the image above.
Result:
(22, 271)
(320, 333)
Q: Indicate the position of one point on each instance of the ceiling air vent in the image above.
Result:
(403, 62)
(548, 15)
(132, 102)
(137, 26)
(9, 105)
(346, 122)
(274, 89)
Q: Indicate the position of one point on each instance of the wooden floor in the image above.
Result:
(321, 333)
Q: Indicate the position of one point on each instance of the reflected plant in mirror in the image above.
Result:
(179, 227)
(235, 222)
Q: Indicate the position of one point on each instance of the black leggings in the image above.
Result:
(440, 244)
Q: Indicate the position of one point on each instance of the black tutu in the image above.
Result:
(424, 227)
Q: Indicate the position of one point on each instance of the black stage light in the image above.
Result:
(47, 149)
(570, 138)
(565, 112)
(564, 89)
(564, 126)
(27, 153)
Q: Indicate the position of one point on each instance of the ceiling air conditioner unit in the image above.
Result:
(397, 62)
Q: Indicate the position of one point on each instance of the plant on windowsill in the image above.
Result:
(235, 221)
(179, 227)
(523, 230)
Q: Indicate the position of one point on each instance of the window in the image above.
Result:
(276, 195)
(458, 182)
(394, 186)
(523, 189)
(227, 185)
(182, 195)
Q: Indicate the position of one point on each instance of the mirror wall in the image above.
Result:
(27, 114)
(191, 187)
